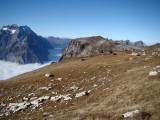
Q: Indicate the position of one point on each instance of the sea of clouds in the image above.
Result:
(9, 69)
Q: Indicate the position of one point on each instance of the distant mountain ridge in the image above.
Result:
(21, 45)
(128, 42)
(59, 42)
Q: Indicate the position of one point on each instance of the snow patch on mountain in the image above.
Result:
(4, 28)
(12, 31)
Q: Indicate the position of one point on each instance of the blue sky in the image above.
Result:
(116, 19)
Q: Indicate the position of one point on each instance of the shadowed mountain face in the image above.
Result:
(82, 47)
(22, 45)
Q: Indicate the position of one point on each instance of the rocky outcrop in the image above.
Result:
(82, 47)
(22, 45)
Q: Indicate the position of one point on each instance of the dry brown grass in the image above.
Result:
(130, 88)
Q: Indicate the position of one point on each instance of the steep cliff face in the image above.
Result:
(92, 45)
(22, 45)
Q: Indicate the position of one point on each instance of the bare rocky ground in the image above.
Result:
(99, 87)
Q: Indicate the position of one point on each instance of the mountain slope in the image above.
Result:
(22, 45)
(116, 84)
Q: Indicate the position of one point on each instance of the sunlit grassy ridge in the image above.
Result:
(117, 84)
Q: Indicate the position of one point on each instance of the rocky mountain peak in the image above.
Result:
(21, 45)
(9, 29)
(82, 47)
(86, 46)
(13, 26)
(140, 44)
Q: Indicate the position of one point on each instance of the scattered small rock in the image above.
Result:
(114, 53)
(135, 54)
(146, 66)
(44, 88)
(73, 88)
(45, 114)
(54, 93)
(33, 98)
(82, 59)
(153, 53)
(31, 94)
(59, 79)
(93, 78)
(152, 73)
(57, 98)
(130, 114)
(25, 99)
(66, 97)
(158, 67)
(144, 53)
(147, 58)
(81, 94)
(48, 75)
(95, 85)
(111, 51)
(105, 89)
(50, 85)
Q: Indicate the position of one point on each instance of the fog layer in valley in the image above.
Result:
(9, 69)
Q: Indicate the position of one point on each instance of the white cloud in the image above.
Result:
(9, 69)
